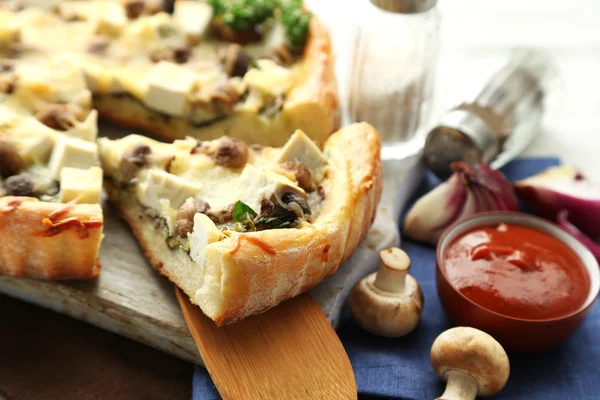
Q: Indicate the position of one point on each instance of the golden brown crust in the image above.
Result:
(319, 86)
(363, 143)
(311, 106)
(34, 244)
(249, 273)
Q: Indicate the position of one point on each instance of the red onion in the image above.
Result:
(470, 190)
(564, 188)
(562, 220)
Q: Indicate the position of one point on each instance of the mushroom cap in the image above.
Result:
(472, 352)
(385, 313)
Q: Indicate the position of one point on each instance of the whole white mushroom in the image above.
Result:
(471, 361)
(388, 302)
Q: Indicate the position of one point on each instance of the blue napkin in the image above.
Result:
(400, 368)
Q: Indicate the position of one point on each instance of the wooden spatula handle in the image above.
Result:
(288, 352)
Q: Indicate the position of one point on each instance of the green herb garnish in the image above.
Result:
(242, 212)
(271, 223)
(295, 19)
(241, 15)
(246, 220)
(243, 216)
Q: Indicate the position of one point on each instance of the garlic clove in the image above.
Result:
(431, 214)
(471, 189)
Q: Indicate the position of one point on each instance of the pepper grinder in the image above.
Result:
(501, 121)
(394, 54)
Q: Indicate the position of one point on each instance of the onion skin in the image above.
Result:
(563, 188)
(470, 190)
(563, 221)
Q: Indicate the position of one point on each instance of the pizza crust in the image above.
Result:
(29, 250)
(311, 106)
(249, 273)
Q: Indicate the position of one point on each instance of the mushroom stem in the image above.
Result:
(460, 386)
(393, 268)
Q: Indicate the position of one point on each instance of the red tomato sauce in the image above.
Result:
(517, 271)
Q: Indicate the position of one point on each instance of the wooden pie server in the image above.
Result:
(288, 352)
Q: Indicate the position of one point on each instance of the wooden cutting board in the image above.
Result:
(131, 299)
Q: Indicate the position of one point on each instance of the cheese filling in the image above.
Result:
(52, 165)
(206, 190)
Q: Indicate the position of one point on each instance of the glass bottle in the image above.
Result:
(392, 70)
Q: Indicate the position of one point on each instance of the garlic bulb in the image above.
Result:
(470, 190)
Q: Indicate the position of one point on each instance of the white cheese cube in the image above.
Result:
(36, 149)
(269, 78)
(256, 184)
(160, 184)
(33, 139)
(101, 79)
(168, 87)
(109, 17)
(193, 17)
(84, 184)
(86, 130)
(204, 233)
(72, 152)
(300, 148)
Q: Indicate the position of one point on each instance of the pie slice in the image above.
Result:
(50, 179)
(189, 73)
(242, 228)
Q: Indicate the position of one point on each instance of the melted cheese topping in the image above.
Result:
(56, 81)
(64, 51)
(169, 174)
(33, 139)
(216, 184)
(123, 63)
(194, 173)
(58, 36)
(47, 152)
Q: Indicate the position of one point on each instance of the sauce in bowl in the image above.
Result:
(517, 271)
